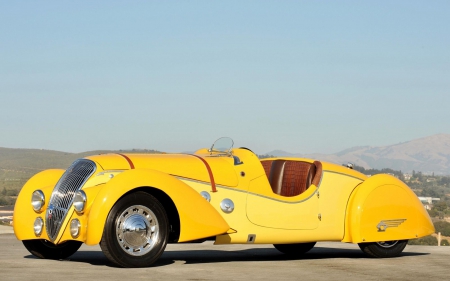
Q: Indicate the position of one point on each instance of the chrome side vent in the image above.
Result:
(64, 193)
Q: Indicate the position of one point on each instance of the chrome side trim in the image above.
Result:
(251, 193)
(271, 198)
(342, 174)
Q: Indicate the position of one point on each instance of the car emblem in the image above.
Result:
(50, 212)
(384, 224)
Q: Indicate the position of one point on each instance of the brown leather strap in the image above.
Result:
(211, 176)
(128, 160)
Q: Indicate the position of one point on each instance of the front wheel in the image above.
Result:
(136, 231)
(384, 249)
(47, 250)
(294, 249)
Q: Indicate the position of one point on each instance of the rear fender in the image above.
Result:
(383, 208)
(198, 219)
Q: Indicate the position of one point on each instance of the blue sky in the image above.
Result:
(301, 76)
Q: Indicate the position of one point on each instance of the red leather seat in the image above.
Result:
(291, 178)
(266, 165)
(276, 175)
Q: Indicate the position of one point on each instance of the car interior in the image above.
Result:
(291, 178)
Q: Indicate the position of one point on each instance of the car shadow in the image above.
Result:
(97, 258)
(266, 254)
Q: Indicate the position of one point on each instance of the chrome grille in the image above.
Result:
(64, 193)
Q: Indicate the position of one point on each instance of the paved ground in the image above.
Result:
(4, 229)
(327, 261)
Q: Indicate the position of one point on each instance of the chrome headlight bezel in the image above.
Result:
(38, 226)
(38, 200)
(79, 202)
(75, 227)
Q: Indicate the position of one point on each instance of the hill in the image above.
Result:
(429, 155)
(18, 165)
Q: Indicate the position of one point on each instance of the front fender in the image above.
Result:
(24, 215)
(383, 208)
(198, 219)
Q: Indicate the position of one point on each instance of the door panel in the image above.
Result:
(264, 208)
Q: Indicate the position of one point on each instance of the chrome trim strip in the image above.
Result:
(342, 174)
(108, 172)
(275, 199)
(251, 193)
(193, 180)
(271, 198)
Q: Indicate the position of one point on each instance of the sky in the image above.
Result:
(300, 76)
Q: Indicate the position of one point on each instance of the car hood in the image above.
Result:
(180, 165)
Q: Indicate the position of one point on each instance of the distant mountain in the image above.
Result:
(281, 153)
(428, 155)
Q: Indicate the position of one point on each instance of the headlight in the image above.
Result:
(37, 200)
(80, 201)
(75, 228)
(38, 226)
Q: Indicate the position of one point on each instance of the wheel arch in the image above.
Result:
(169, 207)
(383, 208)
(177, 198)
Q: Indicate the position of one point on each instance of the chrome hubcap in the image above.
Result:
(387, 244)
(137, 230)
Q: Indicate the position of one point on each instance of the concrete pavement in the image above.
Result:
(327, 261)
(4, 229)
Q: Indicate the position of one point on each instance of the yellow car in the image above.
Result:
(134, 204)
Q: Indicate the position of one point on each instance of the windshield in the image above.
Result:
(222, 145)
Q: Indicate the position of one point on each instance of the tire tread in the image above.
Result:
(295, 249)
(40, 249)
(376, 251)
(109, 245)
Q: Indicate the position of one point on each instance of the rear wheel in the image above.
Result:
(47, 250)
(136, 231)
(384, 249)
(294, 249)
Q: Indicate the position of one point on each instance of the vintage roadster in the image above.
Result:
(134, 204)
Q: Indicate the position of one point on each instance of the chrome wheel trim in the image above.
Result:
(137, 230)
(387, 244)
